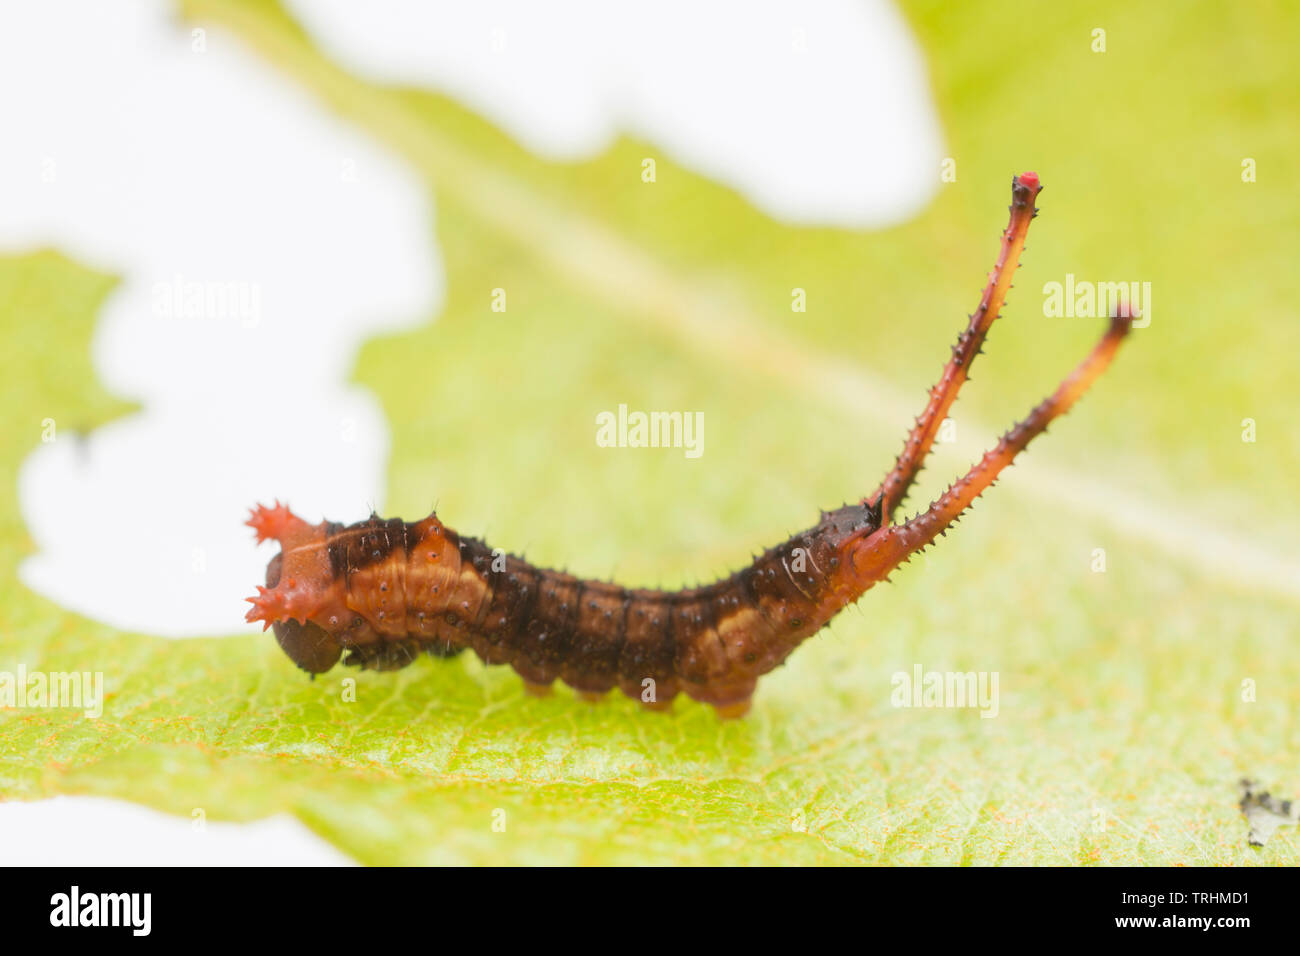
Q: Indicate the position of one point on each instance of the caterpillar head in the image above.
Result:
(299, 587)
(308, 645)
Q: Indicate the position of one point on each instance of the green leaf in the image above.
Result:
(1122, 726)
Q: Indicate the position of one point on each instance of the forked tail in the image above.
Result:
(872, 555)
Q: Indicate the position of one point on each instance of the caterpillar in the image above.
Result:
(383, 590)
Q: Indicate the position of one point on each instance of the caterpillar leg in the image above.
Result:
(893, 490)
(734, 710)
(873, 556)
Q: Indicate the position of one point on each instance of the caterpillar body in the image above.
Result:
(383, 590)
